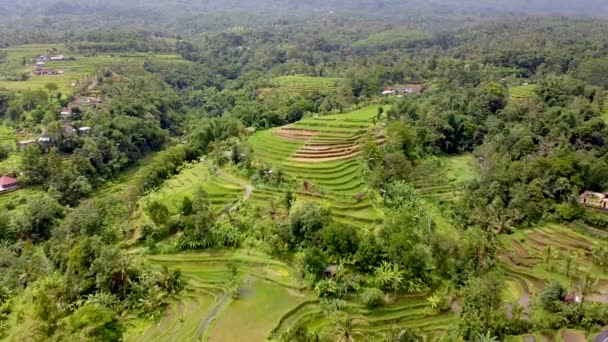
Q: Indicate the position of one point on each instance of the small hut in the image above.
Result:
(331, 271)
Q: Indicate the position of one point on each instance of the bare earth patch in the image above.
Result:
(293, 134)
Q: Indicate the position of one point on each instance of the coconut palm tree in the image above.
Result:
(568, 259)
(485, 338)
(345, 329)
(586, 286)
(549, 254)
(600, 256)
(434, 301)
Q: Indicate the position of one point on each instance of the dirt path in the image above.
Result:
(211, 316)
(248, 187)
(248, 191)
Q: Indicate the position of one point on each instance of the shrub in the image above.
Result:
(552, 296)
(372, 297)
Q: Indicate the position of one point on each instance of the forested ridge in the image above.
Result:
(303, 171)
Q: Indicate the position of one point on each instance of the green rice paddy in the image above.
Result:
(444, 179)
(324, 153)
(270, 302)
(523, 91)
(527, 271)
(74, 70)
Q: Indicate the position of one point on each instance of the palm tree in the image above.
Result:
(586, 286)
(485, 338)
(579, 257)
(567, 257)
(389, 275)
(434, 300)
(600, 256)
(345, 329)
(397, 279)
(549, 254)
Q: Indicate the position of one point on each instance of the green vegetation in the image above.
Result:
(391, 39)
(301, 85)
(237, 171)
(21, 60)
(523, 91)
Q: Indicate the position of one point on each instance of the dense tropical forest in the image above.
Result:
(304, 171)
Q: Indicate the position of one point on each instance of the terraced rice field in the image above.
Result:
(270, 302)
(521, 256)
(300, 85)
(565, 335)
(523, 91)
(443, 179)
(266, 292)
(74, 70)
(223, 189)
(407, 311)
(323, 152)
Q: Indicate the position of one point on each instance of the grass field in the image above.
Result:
(523, 91)
(443, 179)
(300, 85)
(74, 70)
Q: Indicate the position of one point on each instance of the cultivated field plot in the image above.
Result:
(267, 291)
(565, 335)
(406, 312)
(444, 179)
(300, 85)
(322, 156)
(528, 266)
(523, 91)
(223, 189)
(20, 59)
(270, 302)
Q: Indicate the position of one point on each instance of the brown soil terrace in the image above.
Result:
(295, 134)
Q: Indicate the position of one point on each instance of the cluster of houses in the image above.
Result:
(47, 58)
(592, 199)
(67, 129)
(401, 90)
(39, 67)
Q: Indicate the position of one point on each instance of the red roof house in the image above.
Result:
(8, 183)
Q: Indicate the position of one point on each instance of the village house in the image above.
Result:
(403, 89)
(44, 141)
(331, 271)
(46, 72)
(8, 184)
(25, 143)
(594, 199)
(89, 101)
(59, 58)
(39, 65)
(65, 112)
(67, 130)
(84, 130)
